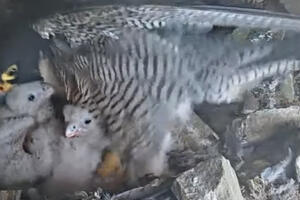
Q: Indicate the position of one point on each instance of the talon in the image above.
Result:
(110, 166)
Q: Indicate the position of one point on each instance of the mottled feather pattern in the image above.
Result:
(150, 60)
(85, 25)
(136, 82)
(141, 73)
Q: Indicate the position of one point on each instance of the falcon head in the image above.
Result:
(79, 121)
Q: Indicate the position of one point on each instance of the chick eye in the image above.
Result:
(87, 121)
(31, 97)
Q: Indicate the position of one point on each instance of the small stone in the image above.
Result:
(194, 141)
(287, 89)
(195, 135)
(211, 179)
(263, 124)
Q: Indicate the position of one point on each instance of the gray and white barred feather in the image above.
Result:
(146, 80)
(144, 77)
(85, 25)
(158, 67)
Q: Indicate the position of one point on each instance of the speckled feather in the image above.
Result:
(160, 67)
(85, 25)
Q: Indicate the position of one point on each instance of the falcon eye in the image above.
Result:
(87, 121)
(31, 97)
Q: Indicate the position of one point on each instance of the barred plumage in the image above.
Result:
(85, 25)
(155, 64)
(136, 85)
(142, 73)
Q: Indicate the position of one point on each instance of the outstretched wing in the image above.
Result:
(84, 25)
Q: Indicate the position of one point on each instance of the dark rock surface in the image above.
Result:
(219, 182)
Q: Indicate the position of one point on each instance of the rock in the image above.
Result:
(256, 35)
(212, 179)
(251, 103)
(297, 85)
(258, 189)
(293, 6)
(195, 141)
(158, 189)
(233, 144)
(262, 140)
(258, 127)
(287, 89)
(297, 166)
(276, 92)
(287, 190)
(217, 117)
(266, 93)
(263, 124)
(195, 135)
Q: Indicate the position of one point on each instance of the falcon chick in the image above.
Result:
(27, 98)
(25, 161)
(79, 122)
(78, 157)
(129, 157)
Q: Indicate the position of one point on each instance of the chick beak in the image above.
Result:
(72, 131)
(71, 134)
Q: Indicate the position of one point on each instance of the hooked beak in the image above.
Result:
(71, 134)
(72, 131)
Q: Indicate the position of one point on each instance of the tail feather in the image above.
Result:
(171, 67)
(224, 80)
